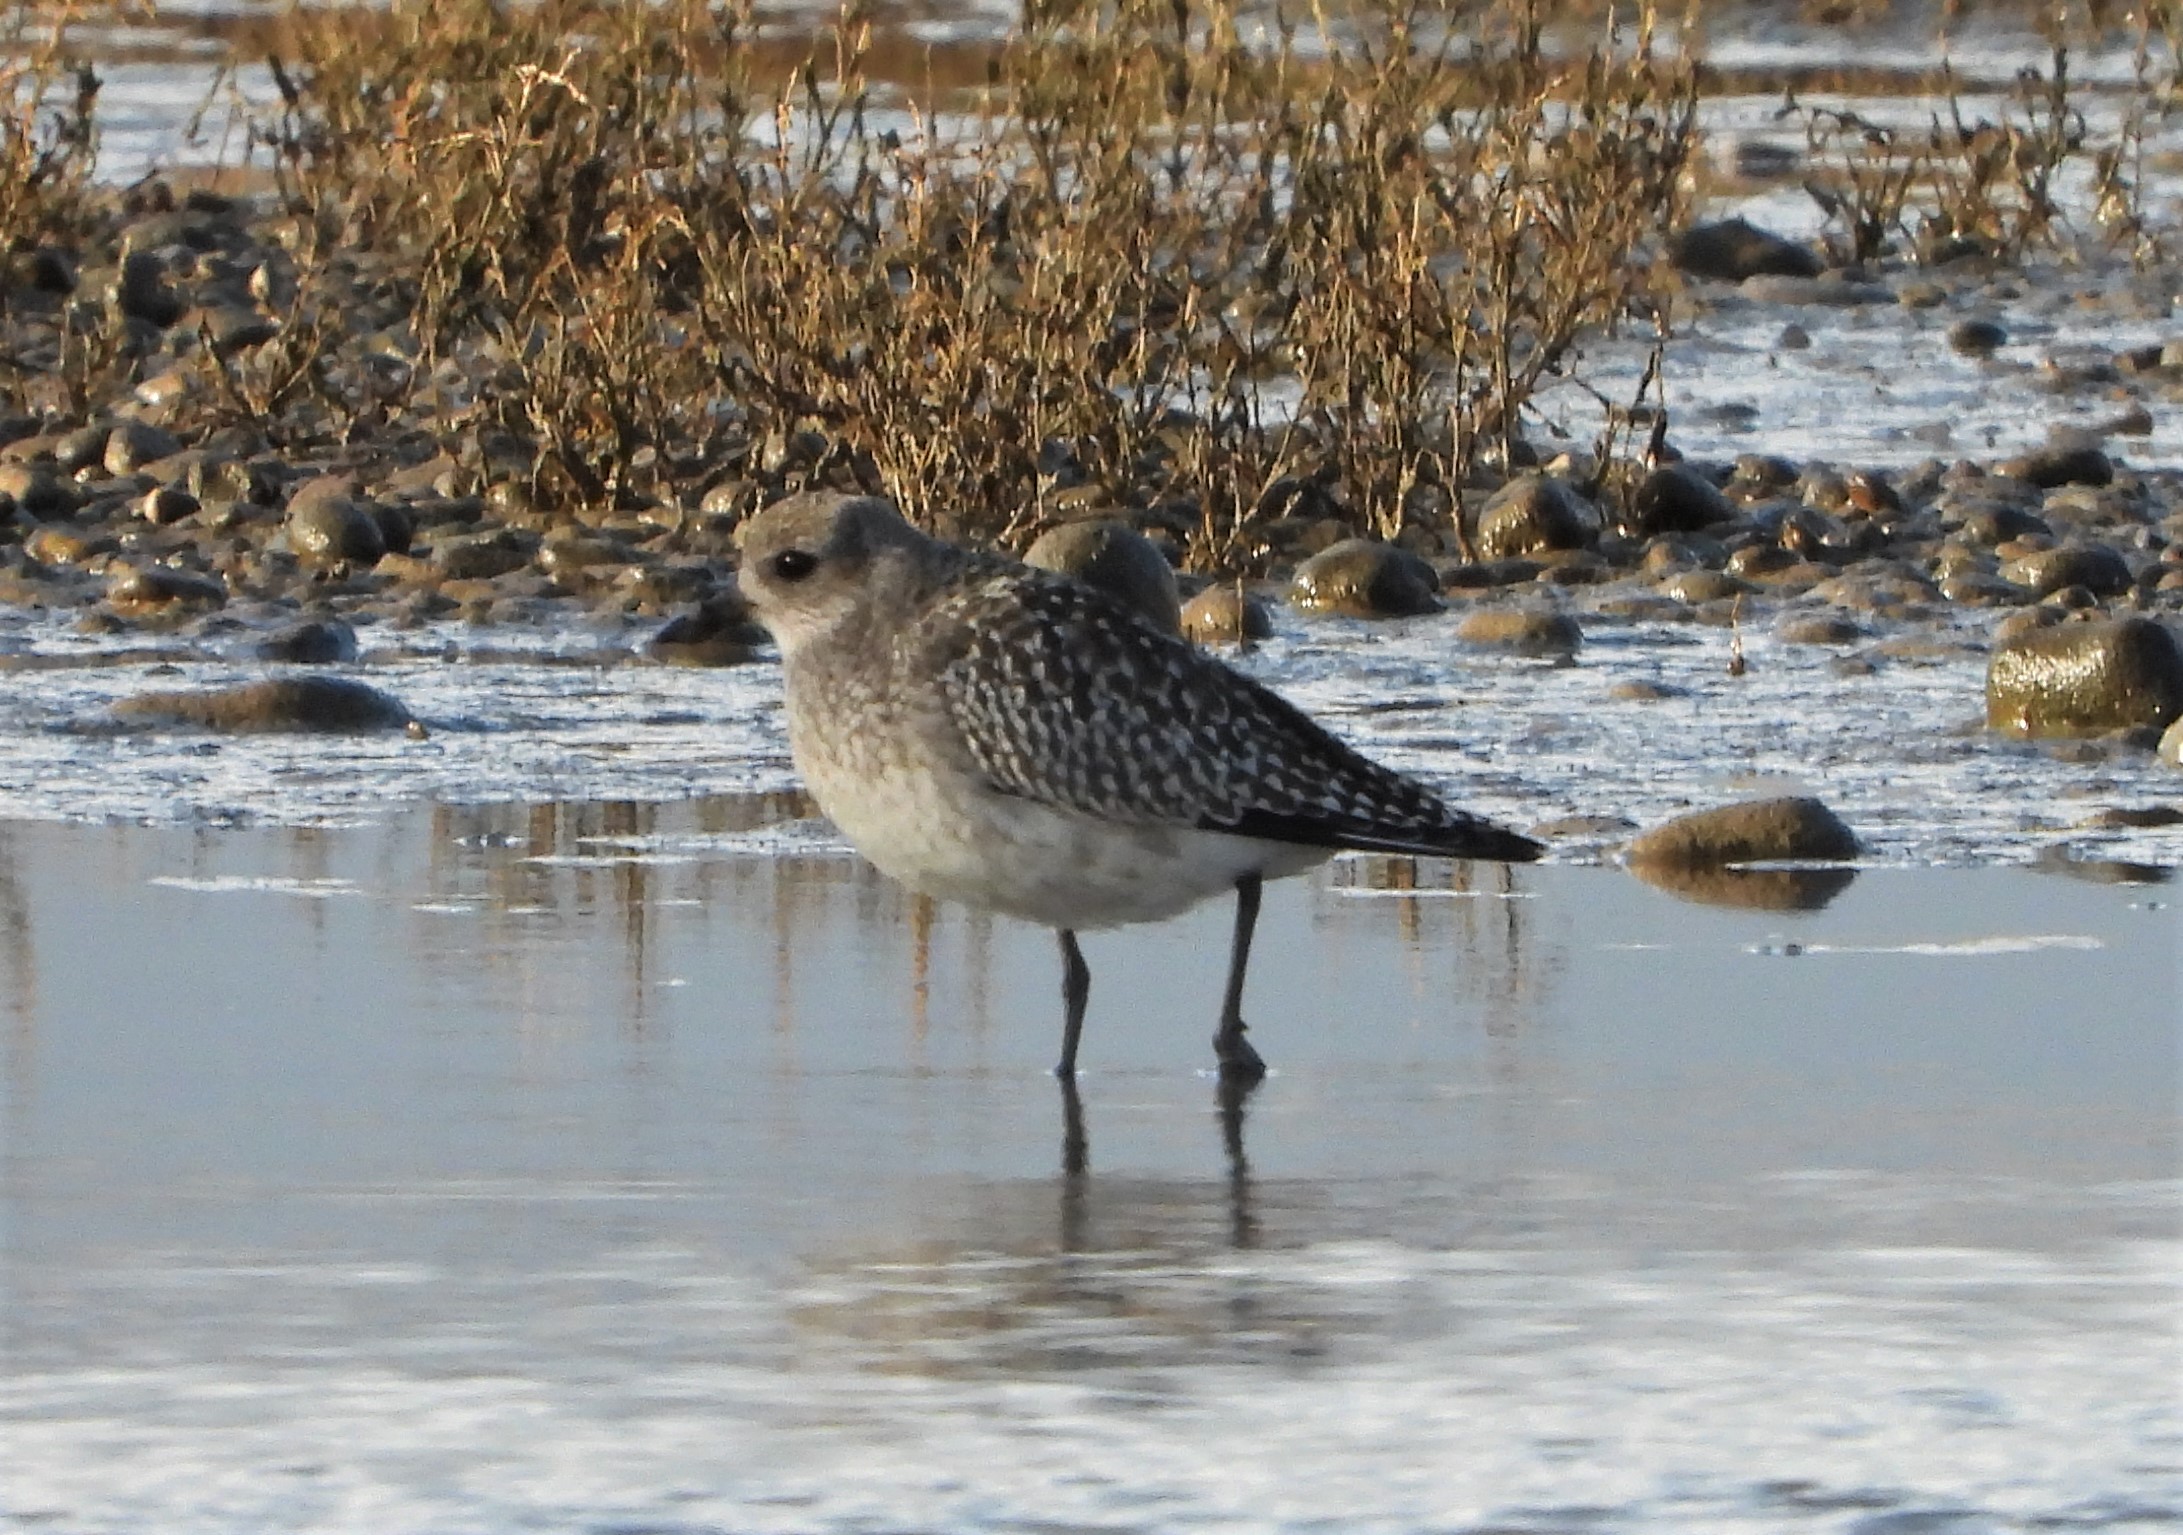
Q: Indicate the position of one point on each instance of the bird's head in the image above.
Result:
(817, 561)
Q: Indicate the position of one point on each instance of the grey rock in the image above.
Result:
(1524, 631)
(1533, 513)
(1118, 560)
(164, 504)
(36, 491)
(2076, 679)
(1360, 578)
(310, 642)
(332, 529)
(483, 556)
(1734, 249)
(2095, 567)
(138, 591)
(304, 704)
(1676, 498)
(1752, 831)
(133, 444)
(718, 632)
(2063, 464)
(1976, 338)
(1225, 614)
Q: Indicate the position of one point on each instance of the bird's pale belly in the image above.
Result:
(950, 837)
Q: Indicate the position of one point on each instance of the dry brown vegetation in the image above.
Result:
(1990, 178)
(48, 133)
(1166, 258)
(1225, 271)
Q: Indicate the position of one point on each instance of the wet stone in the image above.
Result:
(408, 569)
(36, 491)
(1643, 691)
(1996, 523)
(396, 529)
(1732, 250)
(1462, 575)
(1532, 514)
(2096, 568)
(233, 328)
(576, 561)
(440, 475)
(1225, 614)
(663, 586)
(1819, 629)
(163, 505)
(2077, 679)
(1573, 567)
(303, 704)
(1118, 560)
(1976, 589)
(310, 642)
(482, 556)
(1976, 338)
(733, 499)
(1359, 578)
(57, 544)
(1642, 607)
(1676, 498)
(1671, 552)
(1752, 831)
(142, 293)
(1755, 561)
(332, 528)
(134, 591)
(1701, 586)
(718, 632)
(2103, 508)
(2080, 464)
(1524, 631)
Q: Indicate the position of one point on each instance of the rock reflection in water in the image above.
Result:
(1748, 889)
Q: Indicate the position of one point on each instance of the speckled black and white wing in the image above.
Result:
(1063, 698)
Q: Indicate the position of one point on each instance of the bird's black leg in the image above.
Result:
(1075, 992)
(1238, 1061)
(1075, 1144)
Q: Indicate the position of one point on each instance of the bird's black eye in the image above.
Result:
(792, 564)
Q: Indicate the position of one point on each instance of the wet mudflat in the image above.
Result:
(587, 1168)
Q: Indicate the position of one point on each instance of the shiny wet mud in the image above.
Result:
(581, 1168)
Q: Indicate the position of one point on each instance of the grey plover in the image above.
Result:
(1011, 739)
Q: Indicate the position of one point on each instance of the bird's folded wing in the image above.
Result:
(1062, 698)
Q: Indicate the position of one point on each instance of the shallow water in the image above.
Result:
(566, 1167)
(1895, 742)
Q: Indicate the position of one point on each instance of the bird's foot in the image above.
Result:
(1239, 1063)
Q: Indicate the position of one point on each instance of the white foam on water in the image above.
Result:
(1966, 948)
(260, 884)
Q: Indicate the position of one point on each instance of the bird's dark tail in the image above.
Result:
(1470, 839)
(1459, 836)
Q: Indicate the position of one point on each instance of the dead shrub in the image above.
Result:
(1993, 180)
(1165, 258)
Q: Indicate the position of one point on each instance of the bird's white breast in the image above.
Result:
(908, 804)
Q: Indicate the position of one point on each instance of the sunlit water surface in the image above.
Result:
(579, 1168)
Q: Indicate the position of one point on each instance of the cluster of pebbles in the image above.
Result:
(150, 520)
